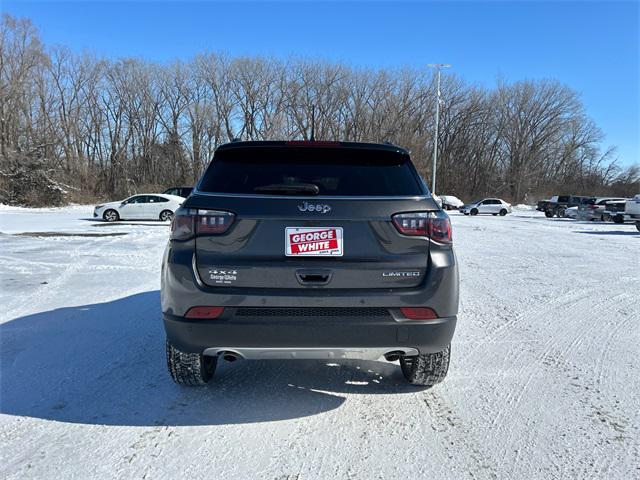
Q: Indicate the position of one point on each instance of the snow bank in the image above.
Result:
(523, 207)
(72, 207)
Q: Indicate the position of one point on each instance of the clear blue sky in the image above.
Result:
(590, 46)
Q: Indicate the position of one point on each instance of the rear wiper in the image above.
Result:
(290, 188)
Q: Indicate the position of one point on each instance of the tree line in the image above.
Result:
(74, 127)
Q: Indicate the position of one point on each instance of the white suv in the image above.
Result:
(632, 208)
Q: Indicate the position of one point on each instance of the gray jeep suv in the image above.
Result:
(315, 250)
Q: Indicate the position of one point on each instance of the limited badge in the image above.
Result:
(401, 274)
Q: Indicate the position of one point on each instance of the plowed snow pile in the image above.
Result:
(544, 381)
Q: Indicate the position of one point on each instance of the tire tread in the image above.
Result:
(189, 368)
(427, 369)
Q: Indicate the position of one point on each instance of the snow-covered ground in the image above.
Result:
(543, 381)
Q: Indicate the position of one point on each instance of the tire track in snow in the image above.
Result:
(553, 355)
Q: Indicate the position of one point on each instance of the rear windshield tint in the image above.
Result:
(335, 171)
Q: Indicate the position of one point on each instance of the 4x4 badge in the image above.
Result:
(223, 276)
(308, 207)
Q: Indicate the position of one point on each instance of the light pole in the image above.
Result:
(438, 67)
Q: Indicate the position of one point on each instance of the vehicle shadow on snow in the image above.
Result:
(610, 232)
(105, 364)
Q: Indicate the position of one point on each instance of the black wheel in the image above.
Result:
(166, 215)
(465, 213)
(560, 213)
(190, 368)
(427, 369)
(618, 219)
(503, 212)
(548, 214)
(111, 216)
(474, 211)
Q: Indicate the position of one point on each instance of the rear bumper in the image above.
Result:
(313, 337)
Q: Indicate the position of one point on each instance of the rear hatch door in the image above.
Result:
(312, 217)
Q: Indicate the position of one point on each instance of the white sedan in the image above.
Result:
(494, 206)
(156, 206)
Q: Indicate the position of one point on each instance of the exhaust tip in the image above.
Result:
(393, 356)
(230, 356)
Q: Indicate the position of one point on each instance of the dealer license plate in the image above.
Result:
(313, 242)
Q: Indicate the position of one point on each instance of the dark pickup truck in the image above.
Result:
(557, 204)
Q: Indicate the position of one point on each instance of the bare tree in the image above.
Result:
(76, 123)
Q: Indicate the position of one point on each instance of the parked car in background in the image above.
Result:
(542, 204)
(152, 206)
(614, 211)
(593, 208)
(571, 212)
(632, 209)
(449, 202)
(494, 206)
(183, 192)
(557, 205)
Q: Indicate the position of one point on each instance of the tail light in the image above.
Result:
(592, 207)
(188, 222)
(419, 313)
(435, 225)
(204, 312)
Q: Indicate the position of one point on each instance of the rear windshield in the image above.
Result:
(311, 171)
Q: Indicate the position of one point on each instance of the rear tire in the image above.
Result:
(560, 213)
(548, 214)
(111, 216)
(166, 216)
(428, 369)
(474, 211)
(618, 219)
(191, 369)
(503, 212)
